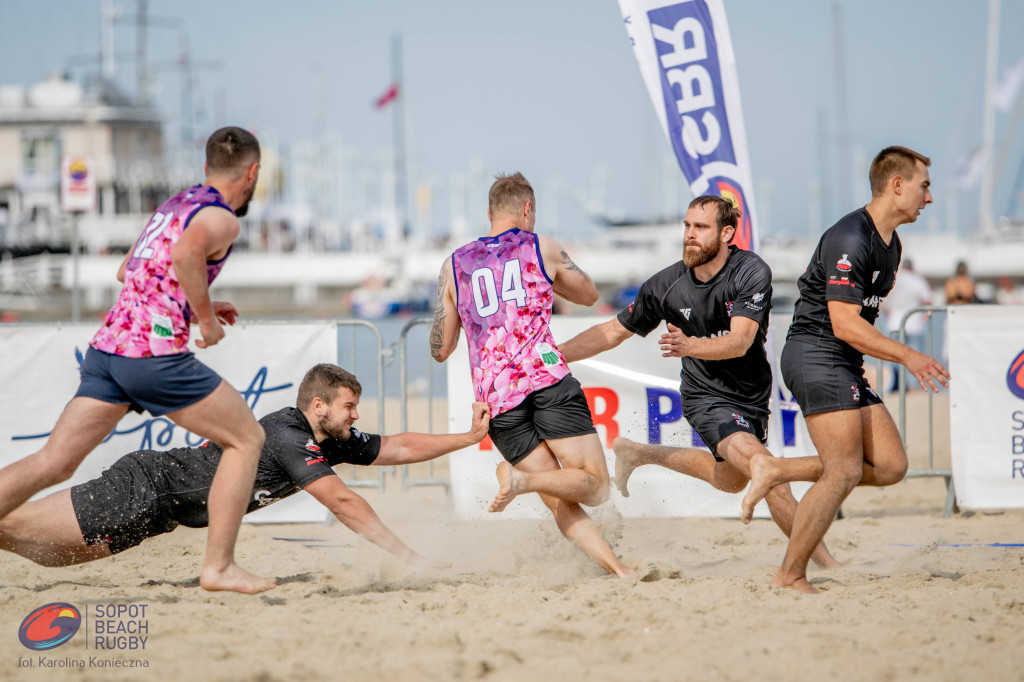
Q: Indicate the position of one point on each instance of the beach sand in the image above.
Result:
(919, 597)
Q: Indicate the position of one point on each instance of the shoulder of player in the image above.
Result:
(748, 261)
(216, 218)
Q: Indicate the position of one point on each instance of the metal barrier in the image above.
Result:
(902, 374)
(352, 481)
(403, 369)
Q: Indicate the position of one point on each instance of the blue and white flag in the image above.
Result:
(687, 63)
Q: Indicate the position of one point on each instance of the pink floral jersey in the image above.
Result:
(151, 316)
(504, 297)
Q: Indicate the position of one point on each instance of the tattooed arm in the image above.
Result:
(444, 333)
(569, 281)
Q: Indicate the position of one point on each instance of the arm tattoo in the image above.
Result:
(570, 265)
(436, 335)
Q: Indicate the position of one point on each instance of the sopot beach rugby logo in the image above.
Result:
(49, 626)
(1015, 376)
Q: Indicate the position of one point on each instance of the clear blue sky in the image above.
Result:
(552, 88)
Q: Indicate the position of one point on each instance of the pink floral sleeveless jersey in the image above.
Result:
(504, 298)
(151, 316)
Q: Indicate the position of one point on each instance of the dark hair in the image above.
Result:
(229, 148)
(323, 381)
(893, 161)
(727, 212)
(509, 193)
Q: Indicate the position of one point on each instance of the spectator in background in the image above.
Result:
(1006, 294)
(911, 290)
(960, 287)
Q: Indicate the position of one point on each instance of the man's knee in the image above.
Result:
(600, 492)
(891, 472)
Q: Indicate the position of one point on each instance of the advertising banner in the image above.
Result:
(986, 395)
(39, 372)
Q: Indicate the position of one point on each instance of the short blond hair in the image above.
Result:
(509, 193)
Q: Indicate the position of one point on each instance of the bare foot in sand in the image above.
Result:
(761, 483)
(798, 584)
(234, 578)
(625, 462)
(511, 484)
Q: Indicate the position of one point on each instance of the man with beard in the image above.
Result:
(147, 493)
(139, 359)
(851, 270)
(715, 302)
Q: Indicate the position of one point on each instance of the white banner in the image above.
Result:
(687, 63)
(39, 373)
(986, 395)
(633, 392)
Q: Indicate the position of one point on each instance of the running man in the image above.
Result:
(139, 359)
(715, 302)
(147, 493)
(500, 289)
(852, 269)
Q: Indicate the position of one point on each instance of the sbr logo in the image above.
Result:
(1015, 376)
(49, 626)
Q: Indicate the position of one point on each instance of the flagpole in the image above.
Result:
(988, 135)
(401, 202)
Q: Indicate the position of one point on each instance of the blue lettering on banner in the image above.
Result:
(1018, 420)
(1018, 467)
(656, 416)
(1018, 445)
(157, 432)
(691, 83)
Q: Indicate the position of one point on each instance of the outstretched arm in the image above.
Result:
(353, 511)
(444, 333)
(849, 326)
(597, 339)
(409, 448)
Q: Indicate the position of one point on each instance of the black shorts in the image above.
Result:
(122, 507)
(714, 420)
(824, 380)
(558, 411)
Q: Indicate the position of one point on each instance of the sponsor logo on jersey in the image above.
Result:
(844, 264)
(263, 498)
(312, 446)
(547, 354)
(49, 626)
(756, 298)
(875, 275)
(740, 421)
(840, 281)
(871, 302)
(856, 393)
(728, 308)
(1015, 376)
(311, 460)
(686, 312)
(162, 326)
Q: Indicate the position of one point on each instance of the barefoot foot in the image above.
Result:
(234, 578)
(625, 462)
(797, 584)
(761, 484)
(510, 484)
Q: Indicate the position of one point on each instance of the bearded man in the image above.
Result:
(715, 302)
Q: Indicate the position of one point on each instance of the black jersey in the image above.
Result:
(291, 460)
(851, 264)
(743, 287)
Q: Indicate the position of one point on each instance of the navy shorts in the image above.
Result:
(558, 411)
(824, 380)
(159, 385)
(121, 508)
(715, 420)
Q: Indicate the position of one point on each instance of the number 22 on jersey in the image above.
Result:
(156, 225)
(484, 287)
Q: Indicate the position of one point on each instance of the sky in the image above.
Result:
(551, 88)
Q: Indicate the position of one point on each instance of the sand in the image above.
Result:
(919, 597)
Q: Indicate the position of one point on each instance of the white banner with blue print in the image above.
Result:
(39, 372)
(986, 397)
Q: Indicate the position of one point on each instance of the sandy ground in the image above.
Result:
(919, 597)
